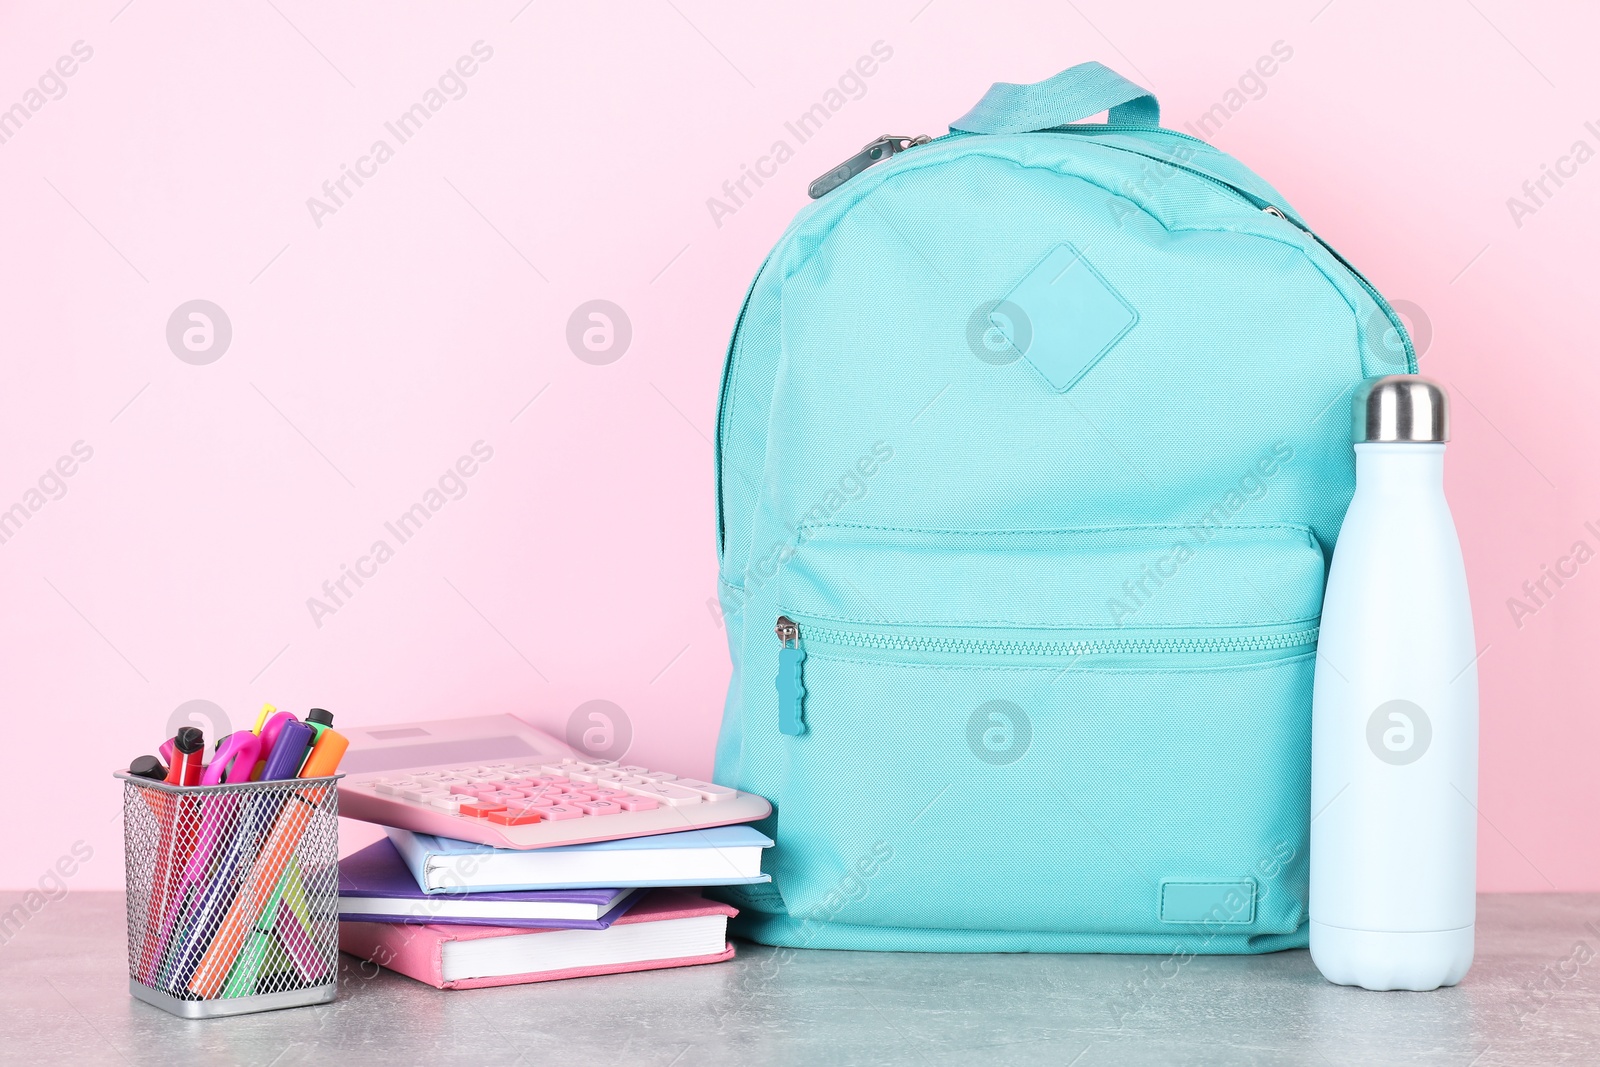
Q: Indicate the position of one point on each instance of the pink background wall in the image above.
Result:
(429, 312)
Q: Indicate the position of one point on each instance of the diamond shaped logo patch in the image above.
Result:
(1063, 317)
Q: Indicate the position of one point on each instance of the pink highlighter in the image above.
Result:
(269, 737)
(242, 749)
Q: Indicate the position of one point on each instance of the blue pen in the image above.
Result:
(202, 919)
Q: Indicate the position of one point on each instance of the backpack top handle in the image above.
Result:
(1071, 96)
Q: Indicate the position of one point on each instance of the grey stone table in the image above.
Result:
(1533, 997)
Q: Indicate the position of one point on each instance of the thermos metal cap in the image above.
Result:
(1406, 408)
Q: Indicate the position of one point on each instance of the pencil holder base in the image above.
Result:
(213, 1009)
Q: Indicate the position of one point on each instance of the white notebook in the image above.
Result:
(719, 855)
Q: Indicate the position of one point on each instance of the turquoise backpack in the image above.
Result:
(1033, 446)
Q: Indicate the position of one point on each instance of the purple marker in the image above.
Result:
(287, 751)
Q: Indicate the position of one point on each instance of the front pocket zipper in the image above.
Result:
(792, 655)
(791, 683)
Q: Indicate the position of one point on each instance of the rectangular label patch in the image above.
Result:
(1063, 317)
(1208, 902)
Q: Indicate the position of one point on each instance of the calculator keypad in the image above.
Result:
(512, 793)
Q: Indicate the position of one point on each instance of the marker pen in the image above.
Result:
(239, 749)
(319, 719)
(188, 757)
(325, 755)
(269, 737)
(148, 767)
(288, 750)
(173, 813)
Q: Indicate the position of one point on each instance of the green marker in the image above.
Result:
(294, 897)
(319, 719)
(245, 974)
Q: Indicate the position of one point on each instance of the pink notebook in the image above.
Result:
(669, 928)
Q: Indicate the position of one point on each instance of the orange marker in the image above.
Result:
(325, 754)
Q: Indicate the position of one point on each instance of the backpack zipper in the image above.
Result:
(875, 151)
(860, 162)
(792, 653)
(788, 632)
(791, 681)
(1269, 208)
(722, 406)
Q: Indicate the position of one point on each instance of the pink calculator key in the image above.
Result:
(467, 790)
(599, 807)
(632, 803)
(560, 812)
(504, 795)
(605, 793)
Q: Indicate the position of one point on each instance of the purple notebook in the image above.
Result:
(375, 885)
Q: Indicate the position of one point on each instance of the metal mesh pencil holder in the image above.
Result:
(233, 894)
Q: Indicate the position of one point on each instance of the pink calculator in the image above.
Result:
(496, 780)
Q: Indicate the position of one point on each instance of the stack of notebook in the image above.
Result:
(459, 915)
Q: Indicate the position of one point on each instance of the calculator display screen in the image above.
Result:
(464, 750)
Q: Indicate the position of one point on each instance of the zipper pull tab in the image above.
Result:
(1275, 213)
(791, 685)
(876, 152)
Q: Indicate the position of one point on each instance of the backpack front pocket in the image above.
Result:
(1085, 731)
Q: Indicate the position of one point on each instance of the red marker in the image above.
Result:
(188, 756)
